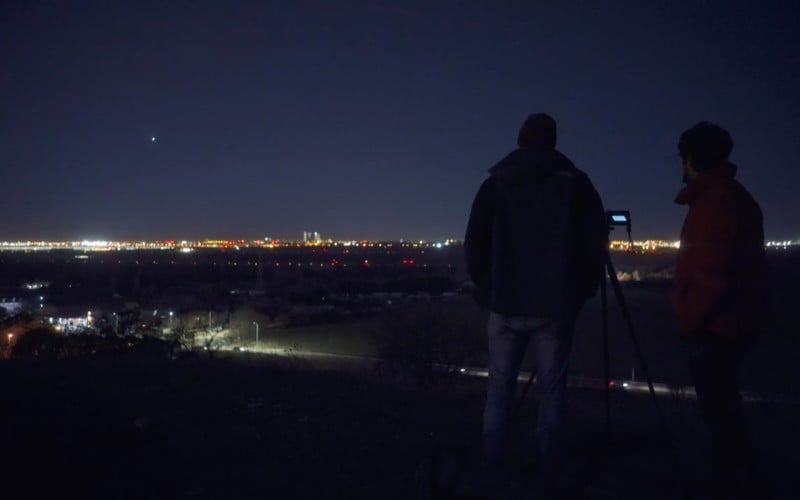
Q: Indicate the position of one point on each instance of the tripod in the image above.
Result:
(608, 270)
(615, 218)
(620, 218)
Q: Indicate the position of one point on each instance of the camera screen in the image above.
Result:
(618, 218)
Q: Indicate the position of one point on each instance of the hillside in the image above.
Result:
(244, 427)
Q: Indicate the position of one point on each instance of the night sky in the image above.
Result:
(374, 119)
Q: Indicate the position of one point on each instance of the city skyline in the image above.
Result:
(209, 243)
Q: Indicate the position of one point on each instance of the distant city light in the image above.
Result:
(312, 239)
(782, 244)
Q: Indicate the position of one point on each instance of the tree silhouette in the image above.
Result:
(39, 343)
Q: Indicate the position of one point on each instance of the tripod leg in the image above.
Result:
(524, 393)
(607, 389)
(612, 274)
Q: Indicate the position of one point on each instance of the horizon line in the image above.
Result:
(209, 243)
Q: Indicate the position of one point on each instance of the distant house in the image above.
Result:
(12, 306)
(71, 320)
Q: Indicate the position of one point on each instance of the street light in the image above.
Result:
(256, 332)
(10, 337)
(170, 319)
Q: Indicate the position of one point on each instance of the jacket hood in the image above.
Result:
(530, 164)
(693, 190)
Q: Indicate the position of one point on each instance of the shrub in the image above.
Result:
(39, 343)
(427, 345)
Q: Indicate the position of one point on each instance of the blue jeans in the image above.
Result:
(508, 341)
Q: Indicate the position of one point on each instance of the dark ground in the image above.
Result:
(264, 427)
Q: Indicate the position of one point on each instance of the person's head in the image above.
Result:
(539, 130)
(704, 147)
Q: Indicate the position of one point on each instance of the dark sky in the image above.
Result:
(374, 119)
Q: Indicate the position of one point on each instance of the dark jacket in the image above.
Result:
(720, 274)
(537, 236)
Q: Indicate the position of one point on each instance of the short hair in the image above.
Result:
(538, 130)
(709, 145)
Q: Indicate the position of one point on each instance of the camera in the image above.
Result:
(618, 218)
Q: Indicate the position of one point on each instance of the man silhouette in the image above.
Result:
(720, 294)
(535, 248)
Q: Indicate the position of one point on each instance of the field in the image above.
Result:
(770, 368)
(255, 425)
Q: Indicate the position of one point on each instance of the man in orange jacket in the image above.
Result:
(720, 291)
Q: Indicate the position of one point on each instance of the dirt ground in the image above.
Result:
(249, 426)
